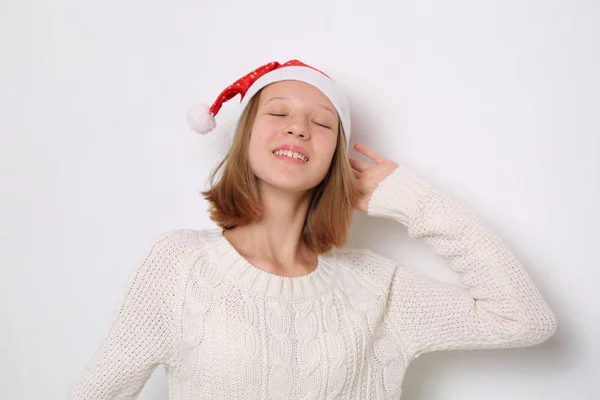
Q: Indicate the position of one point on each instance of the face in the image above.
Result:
(299, 119)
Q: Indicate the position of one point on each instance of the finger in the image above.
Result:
(369, 152)
(357, 164)
(356, 173)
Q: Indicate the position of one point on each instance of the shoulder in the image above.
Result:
(166, 261)
(176, 239)
(171, 250)
(365, 263)
(357, 258)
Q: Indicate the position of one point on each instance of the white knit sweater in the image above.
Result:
(225, 329)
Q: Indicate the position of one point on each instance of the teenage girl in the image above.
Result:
(270, 305)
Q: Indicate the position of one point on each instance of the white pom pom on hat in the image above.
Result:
(201, 118)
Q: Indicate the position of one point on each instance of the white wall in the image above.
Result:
(494, 101)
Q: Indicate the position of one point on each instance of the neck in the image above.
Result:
(275, 243)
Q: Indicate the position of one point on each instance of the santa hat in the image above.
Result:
(201, 118)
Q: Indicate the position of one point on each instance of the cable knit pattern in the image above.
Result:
(225, 329)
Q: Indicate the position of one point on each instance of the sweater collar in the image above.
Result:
(241, 272)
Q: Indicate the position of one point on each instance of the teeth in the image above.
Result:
(291, 154)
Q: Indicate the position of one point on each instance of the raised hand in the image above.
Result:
(369, 176)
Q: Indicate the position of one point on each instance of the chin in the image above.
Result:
(283, 179)
(290, 186)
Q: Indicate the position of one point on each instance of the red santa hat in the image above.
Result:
(201, 118)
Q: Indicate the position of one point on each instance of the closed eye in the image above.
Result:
(277, 115)
(324, 126)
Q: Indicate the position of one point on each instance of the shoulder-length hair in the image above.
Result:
(235, 199)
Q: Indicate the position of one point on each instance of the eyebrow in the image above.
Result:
(286, 99)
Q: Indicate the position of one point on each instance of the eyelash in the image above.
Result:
(284, 115)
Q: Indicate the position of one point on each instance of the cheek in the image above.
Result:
(324, 150)
(258, 146)
(262, 132)
(326, 147)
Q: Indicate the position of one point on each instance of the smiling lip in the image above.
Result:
(289, 159)
(291, 147)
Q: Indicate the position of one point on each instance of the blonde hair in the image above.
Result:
(235, 199)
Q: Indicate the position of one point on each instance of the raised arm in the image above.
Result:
(500, 306)
(141, 333)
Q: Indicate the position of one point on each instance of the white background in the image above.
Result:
(495, 102)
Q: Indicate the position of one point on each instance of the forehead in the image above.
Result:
(295, 90)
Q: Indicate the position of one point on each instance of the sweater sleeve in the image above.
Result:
(142, 332)
(499, 306)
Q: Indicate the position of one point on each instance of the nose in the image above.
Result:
(298, 127)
